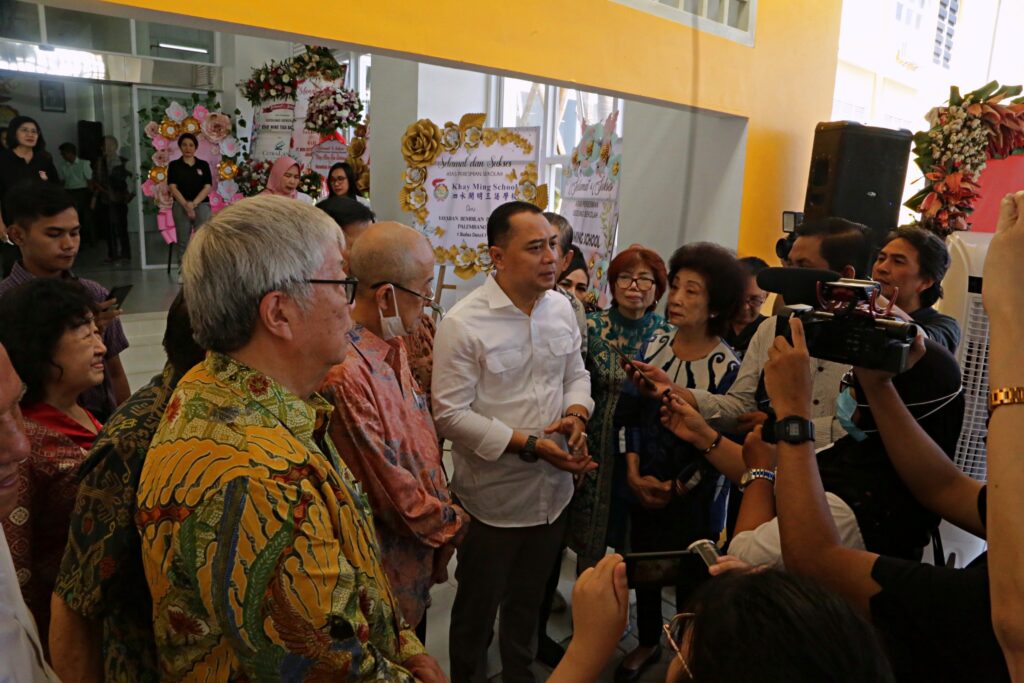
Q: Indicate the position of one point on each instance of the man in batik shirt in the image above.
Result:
(101, 628)
(259, 549)
(382, 428)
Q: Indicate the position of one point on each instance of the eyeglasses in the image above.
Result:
(427, 299)
(643, 284)
(755, 301)
(349, 284)
(674, 632)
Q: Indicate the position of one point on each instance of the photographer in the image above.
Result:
(928, 616)
(828, 243)
(911, 265)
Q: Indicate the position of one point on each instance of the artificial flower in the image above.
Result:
(451, 138)
(199, 112)
(161, 143)
(161, 157)
(421, 143)
(158, 174)
(226, 170)
(216, 127)
(473, 136)
(176, 112)
(149, 187)
(227, 189)
(230, 147)
(152, 129)
(170, 129)
(414, 176)
(190, 125)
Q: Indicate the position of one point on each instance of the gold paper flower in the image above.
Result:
(606, 152)
(158, 174)
(356, 148)
(226, 170)
(412, 199)
(451, 138)
(421, 143)
(414, 177)
(169, 129)
(490, 136)
(473, 137)
(190, 125)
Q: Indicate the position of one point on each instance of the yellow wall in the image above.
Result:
(783, 85)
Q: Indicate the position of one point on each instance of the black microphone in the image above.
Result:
(795, 285)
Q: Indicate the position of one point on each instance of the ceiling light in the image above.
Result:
(184, 48)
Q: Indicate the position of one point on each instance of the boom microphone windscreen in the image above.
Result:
(795, 285)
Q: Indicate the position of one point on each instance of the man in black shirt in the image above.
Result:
(911, 265)
(936, 621)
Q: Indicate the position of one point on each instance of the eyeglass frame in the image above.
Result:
(676, 647)
(437, 308)
(651, 282)
(349, 283)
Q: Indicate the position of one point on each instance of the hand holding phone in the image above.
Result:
(119, 294)
(648, 382)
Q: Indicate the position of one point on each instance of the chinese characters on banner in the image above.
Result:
(457, 175)
(591, 199)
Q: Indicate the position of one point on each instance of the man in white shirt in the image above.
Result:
(21, 654)
(511, 392)
(827, 244)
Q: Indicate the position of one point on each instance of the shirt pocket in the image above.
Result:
(556, 351)
(502, 361)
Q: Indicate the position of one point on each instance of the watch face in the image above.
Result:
(793, 430)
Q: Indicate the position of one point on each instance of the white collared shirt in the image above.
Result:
(21, 653)
(497, 370)
(722, 409)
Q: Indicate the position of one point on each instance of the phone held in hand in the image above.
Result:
(629, 361)
(662, 568)
(119, 294)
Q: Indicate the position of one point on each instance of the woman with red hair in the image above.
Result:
(637, 279)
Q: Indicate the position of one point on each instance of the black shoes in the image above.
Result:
(624, 675)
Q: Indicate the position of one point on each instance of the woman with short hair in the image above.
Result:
(49, 331)
(190, 181)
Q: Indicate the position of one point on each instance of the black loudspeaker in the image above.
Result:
(90, 140)
(857, 173)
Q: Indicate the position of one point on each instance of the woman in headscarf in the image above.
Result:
(285, 174)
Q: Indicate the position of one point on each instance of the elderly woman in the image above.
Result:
(284, 178)
(637, 280)
(50, 333)
(677, 495)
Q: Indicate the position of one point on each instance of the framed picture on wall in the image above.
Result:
(51, 96)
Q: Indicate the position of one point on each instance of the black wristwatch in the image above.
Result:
(529, 452)
(794, 430)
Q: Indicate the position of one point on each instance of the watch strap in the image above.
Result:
(529, 452)
(756, 473)
(1005, 396)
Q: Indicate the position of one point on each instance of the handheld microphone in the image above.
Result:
(795, 285)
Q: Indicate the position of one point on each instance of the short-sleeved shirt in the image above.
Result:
(76, 174)
(100, 399)
(937, 621)
(190, 180)
(101, 576)
(257, 542)
(939, 327)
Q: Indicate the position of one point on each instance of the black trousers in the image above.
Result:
(117, 229)
(504, 568)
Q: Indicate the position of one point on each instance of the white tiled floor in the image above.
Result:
(145, 357)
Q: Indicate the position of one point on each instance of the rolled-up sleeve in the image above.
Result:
(453, 389)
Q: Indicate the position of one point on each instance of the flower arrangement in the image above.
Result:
(311, 183)
(964, 135)
(162, 124)
(333, 108)
(252, 175)
(279, 80)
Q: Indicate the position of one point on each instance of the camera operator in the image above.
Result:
(930, 617)
(911, 264)
(828, 243)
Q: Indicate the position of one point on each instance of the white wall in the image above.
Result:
(239, 55)
(446, 94)
(57, 127)
(662, 205)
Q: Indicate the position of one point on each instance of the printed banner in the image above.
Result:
(591, 199)
(326, 154)
(279, 126)
(456, 175)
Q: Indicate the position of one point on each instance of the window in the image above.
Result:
(731, 19)
(944, 31)
(175, 42)
(560, 113)
(68, 28)
(20, 21)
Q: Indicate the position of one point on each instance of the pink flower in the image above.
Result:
(176, 112)
(161, 142)
(216, 127)
(152, 129)
(162, 158)
(162, 195)
(216, 202)
(227, 188)
(229, 146)
(149, 188)
(200, 113)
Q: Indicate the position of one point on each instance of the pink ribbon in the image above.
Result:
(165, 222)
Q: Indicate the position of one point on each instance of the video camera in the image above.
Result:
(842, 320)
(842, 323)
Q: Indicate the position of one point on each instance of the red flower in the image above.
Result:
(173, 408)
(258, 385)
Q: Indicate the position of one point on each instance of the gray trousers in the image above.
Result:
(183, 225)
(506, 568)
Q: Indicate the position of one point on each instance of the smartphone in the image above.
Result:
(119, 294)
(653, 569)
(707, 550)
(629, 361)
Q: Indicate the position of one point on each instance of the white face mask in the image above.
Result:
(391, 326)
